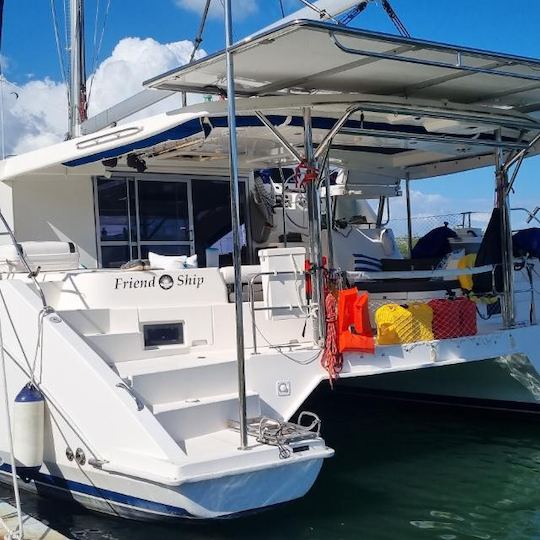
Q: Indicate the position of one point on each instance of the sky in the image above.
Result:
(143, 38)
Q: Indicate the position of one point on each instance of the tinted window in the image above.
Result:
(113, 209)
(163, 211)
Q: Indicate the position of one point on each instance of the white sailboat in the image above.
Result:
(168, 387)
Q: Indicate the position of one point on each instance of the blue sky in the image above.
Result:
(30, 53)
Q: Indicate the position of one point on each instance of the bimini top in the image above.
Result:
(308, 56)
(392, 108)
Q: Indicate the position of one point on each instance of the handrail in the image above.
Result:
(252, 301)
(532, 215)
(419, 274)
(31, 273)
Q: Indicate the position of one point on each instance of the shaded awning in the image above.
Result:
(308, 56)
(384, 140)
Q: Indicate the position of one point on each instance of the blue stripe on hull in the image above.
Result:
(106, 495)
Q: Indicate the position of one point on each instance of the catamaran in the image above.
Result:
(157, 347)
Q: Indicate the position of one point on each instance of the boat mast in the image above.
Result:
(77, 82)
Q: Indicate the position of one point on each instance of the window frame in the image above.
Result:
(161, 177)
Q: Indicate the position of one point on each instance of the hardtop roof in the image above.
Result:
(310, 56)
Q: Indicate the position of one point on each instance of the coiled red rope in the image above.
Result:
(332, 359)
(305, 173)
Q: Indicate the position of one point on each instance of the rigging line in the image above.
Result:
(96, 20)
(197, 42)
(353, 13)
(94, 41)
(322, 12)
(395, 19)
(59, 49)
(282, 9)
(97, 52)
(199, 37)
(57, 40)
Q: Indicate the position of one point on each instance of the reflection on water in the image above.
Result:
(401, 471)
(520, 368)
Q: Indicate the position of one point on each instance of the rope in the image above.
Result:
(332, 359)
(19, 532)
(57, 40)
(97, 50)
(305, 173)
(39, 345)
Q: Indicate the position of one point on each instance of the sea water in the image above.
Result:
(401, 471)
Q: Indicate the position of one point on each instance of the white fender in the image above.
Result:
(28, 429)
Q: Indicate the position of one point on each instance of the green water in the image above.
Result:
(401, 471)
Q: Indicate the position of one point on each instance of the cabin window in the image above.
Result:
(164, 214)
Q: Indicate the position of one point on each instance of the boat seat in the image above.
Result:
(247, 272)
(42, 255)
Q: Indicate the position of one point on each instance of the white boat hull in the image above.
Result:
(510, 383)
(225, 497)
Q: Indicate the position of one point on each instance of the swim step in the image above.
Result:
(196, 417)
(183, 383)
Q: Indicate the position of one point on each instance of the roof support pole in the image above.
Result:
(518, 160)
(197, 43)
(235, 215)
(286, 144)
(409, 214)
(314, 218)
(503, 204)
(329, 215)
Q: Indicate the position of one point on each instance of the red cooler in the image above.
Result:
(467, 316)
(446, 318)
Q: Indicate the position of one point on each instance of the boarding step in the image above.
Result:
(185, 383)
(126, 346)
(195, 417)
(101, 321)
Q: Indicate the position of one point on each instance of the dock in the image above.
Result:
(33, 528)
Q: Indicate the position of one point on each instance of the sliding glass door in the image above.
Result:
(164, 214)
(136, 216)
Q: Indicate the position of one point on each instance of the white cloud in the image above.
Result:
(241, 8)
(133, 61)
(35, 113)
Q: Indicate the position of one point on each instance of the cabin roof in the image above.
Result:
(309, 56)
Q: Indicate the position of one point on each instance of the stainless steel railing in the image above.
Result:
(254, 309)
